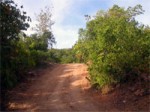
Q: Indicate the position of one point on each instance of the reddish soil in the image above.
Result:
(63, 87)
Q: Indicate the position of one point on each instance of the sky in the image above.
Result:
(68, 15)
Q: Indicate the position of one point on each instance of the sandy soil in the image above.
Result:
(62, 87)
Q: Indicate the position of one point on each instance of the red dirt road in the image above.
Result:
(62, 88)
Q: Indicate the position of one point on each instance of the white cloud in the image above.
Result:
(61, 9)
(66, 36)
(30, 30)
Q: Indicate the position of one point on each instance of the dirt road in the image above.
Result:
(62, 88)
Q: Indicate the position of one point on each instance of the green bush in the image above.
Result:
(61, 56)
(117, 46)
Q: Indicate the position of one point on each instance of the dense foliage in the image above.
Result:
(12, 22)
(61, 56)
(19, 53)
(115, 46)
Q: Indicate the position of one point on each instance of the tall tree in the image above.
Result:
(44, 26)
(44, 19)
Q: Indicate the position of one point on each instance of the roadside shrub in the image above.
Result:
(117, 46)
